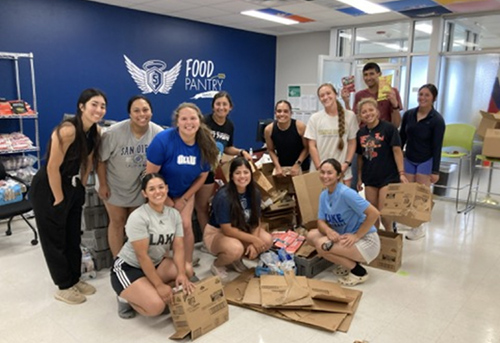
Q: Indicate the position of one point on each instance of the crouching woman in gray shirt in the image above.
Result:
(145, 270)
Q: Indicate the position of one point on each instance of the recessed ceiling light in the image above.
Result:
(366, 6)
(270, 17)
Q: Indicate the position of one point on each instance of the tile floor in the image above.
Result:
(444, 292)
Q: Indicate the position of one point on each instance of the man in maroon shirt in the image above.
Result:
(389, 108)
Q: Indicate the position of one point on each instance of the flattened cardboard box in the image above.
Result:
(491, 144)
(488, 121)
(408, 203)
(391, 251)
(308, 187)
(200, 312)
(236, 292)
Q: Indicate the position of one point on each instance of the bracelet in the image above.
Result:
(299, 162)
(348, 163)
(185, 200)
(396, 108)
(401, 172)
(241, 152)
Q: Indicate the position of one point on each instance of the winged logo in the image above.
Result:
(153, 78)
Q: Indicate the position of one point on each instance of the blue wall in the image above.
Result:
(79, 44)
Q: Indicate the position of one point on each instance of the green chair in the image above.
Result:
(457, 145)
(482, 162)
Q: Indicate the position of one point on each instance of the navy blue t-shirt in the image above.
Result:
(221, 207)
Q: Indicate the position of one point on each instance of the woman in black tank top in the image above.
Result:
(58, 194)
(286, 143)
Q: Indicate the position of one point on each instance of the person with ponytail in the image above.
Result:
(58, 193)
(183, 155)
(331, 132)
(346, 234)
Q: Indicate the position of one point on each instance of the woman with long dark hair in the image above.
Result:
(58, 194)
(422, 133)
(234, 229)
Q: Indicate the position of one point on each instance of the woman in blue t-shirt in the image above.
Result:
(234, 229)
(183, 155)
(346, 234)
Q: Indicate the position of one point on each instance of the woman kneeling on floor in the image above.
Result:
(234, 229)
(144, 268)
(346, 234)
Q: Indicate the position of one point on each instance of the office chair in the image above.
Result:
(20, 208)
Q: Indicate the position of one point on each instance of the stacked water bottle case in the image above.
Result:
(95, 227)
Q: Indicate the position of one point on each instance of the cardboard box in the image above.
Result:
(391, 251)
(200, 312)
(491, 144)
(488, 121)
(308, 187)
(408, 203)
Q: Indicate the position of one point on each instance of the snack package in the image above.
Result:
(348, 83)
(384, 87)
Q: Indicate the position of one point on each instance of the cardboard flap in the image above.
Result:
(327, 290)
(308, 187)
(326, 321)
(276, 291)
(180, 334)
(252, 292)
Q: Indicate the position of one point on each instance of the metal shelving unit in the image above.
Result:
(15, 57)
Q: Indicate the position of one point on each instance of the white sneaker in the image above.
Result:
(221, 272)
(416, 233)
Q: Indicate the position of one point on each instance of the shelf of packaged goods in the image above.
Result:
(19, 116)
(18, 151)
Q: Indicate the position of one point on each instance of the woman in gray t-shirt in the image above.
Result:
(122, 162)
(145, 269)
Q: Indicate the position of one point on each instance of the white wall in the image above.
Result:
(297, 59)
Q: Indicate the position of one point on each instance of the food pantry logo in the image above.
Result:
(200, 77)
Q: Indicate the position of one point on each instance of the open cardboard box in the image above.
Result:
(491, 144)
(408, 203)
(203, 310)
(391, 251)
(488, 121)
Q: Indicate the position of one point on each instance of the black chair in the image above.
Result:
(20, 208)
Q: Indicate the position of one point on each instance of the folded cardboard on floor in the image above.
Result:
(308, 187)
(408, 203)
(203, 310)
(332, 316)
(391, 251)
(488, 121)
(491, 144)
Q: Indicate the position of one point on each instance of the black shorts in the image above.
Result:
(123, 275)
(382, 183)
(210, 178)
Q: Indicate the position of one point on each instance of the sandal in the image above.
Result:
(340, 270)
(352, 280)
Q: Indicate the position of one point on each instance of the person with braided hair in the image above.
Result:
(331, 132)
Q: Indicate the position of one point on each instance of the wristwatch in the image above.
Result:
(348, 163)
(299, 162)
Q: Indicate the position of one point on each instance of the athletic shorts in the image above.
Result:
(382, 183)
(423, 168)
(210, 178)
(369, 246)
(123, 275)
